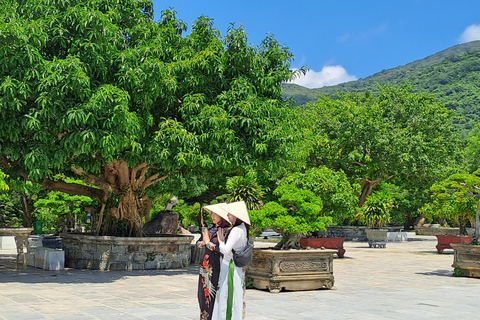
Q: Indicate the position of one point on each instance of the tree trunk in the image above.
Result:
(367, 187)
(133, 204)
(289, 241)
(477, 224)
(117, 180)
(26, 214)
(201, 221)
(462, 229)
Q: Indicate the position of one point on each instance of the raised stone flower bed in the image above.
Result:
(126, 253)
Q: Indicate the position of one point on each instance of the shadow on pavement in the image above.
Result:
(440, 273)
(69, 275)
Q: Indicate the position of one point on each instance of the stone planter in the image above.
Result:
(445, 241)
(326, 243)
(467, 259)
(350, 233)
(291, 269)
(433, 231)
(377, 237)
(126, 253)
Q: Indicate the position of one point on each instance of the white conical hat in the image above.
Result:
(239, 210)
(217, 208)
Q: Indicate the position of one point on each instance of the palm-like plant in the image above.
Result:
(245, 188)
(375, 212)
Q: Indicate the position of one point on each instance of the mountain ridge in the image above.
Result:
(452, 75)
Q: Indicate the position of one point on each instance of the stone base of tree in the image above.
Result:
(275, 270)
(126, 253)
(445, 241)
(466, 259)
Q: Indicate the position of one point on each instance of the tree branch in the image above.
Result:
(74, 189)
(152, 180)
(92, 179)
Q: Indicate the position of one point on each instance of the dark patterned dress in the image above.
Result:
(209, 272)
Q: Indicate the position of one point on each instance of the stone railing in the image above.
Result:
(126, 253)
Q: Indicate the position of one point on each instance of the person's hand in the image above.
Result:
(221, 234)
(206, 236)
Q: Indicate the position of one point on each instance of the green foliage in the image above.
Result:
(375, 213)
(399, 136)
(458, 273)
(296, 211)
(247, 189)
(10, 210)
(3, 183)
(249, 283)
(188, 214)
(60, 210)
(338, 197)
(455, 199)
(472, 150)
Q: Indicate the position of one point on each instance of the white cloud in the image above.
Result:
(471, 33)
(329, 76)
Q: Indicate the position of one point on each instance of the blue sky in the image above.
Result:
(343, 40)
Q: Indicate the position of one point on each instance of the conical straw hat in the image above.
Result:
(217, 208)
(239, 210)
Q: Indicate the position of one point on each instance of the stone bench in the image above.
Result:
(46, 258)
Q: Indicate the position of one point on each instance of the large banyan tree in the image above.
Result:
(98, 89)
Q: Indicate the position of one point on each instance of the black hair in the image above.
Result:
(239, 222)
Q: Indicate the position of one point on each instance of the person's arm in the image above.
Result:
(205, 235)
(200, 242)
(236, 235)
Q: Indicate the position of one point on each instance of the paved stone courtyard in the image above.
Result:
(406, 280)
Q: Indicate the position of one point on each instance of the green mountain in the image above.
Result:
(452, 75)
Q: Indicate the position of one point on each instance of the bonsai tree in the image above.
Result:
(296, 212)
(376, 211)
(339, 197)
(456, 199)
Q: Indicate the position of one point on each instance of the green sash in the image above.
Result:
(231, 271)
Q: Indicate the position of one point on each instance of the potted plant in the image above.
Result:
(339, 201)
(295, 213)
(375, 213)
(452, 200)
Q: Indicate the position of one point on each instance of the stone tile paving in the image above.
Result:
(406, 280)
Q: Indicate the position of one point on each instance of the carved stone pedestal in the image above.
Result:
(291, 269)
(466, 259)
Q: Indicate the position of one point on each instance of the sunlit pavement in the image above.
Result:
(406, 280)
